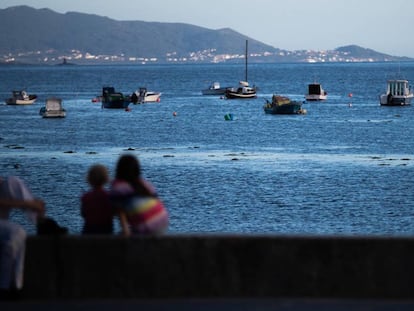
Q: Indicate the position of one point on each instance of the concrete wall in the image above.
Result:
(76, 267)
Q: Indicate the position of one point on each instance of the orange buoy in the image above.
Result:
(350, 95)
(174, 114)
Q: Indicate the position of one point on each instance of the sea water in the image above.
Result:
(344, 168)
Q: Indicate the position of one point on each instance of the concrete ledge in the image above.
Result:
(210, 266)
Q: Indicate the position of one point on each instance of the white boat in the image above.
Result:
(142, 95)
(244, 90)
(215, 89)
(53, 109)
(316, 92)
(21, 98)
(398, 93)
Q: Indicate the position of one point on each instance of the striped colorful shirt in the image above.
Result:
(145, 215)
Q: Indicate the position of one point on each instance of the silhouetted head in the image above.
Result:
(128, 168)
(97, 175)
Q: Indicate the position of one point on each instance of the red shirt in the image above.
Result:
(97, 211)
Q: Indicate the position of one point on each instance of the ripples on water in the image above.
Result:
(338, 170)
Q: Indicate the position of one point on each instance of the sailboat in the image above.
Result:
(243, 90)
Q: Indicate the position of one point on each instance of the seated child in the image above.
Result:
(96, 208)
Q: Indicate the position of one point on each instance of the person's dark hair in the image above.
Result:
(129, 169)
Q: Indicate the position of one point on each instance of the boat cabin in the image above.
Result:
(315, 89)
(53, 109)
(215, 86)
(398, 93)
(20, 95)
(316, 92)
(113, 99)
(398, 87)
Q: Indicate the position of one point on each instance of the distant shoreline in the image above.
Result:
(9, 64)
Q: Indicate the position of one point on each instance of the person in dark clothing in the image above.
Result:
(96, 208)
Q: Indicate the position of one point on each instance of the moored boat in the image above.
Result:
(21, 98)
(398, 93)
(53, 108)
(283, 105)
(316, 92)
(114, 100)
(142, 95)
(244, 90)
(215, 89)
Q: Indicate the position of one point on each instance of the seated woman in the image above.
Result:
(136, 201)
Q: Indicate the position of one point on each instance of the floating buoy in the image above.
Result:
(350, 105)
(174, 114)
(350, 95)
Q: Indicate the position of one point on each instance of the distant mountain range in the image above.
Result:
(39, 36)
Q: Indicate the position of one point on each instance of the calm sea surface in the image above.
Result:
(344, 168)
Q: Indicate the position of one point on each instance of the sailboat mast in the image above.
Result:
(245, 70)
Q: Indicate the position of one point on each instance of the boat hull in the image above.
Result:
(52, 114)
(396, 100)
(114, 100)
(237, 94)
(290, 108)
(20, 102)
(398, 93)
(316, 92)
(17, 101)
(152, 98)
(115, 104)
(221, 91)
(53, 109)
(142, 95)
(315, 97)
(215, 89)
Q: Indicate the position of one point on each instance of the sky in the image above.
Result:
(382, 25)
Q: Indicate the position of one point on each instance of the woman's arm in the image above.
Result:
(124, 224)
